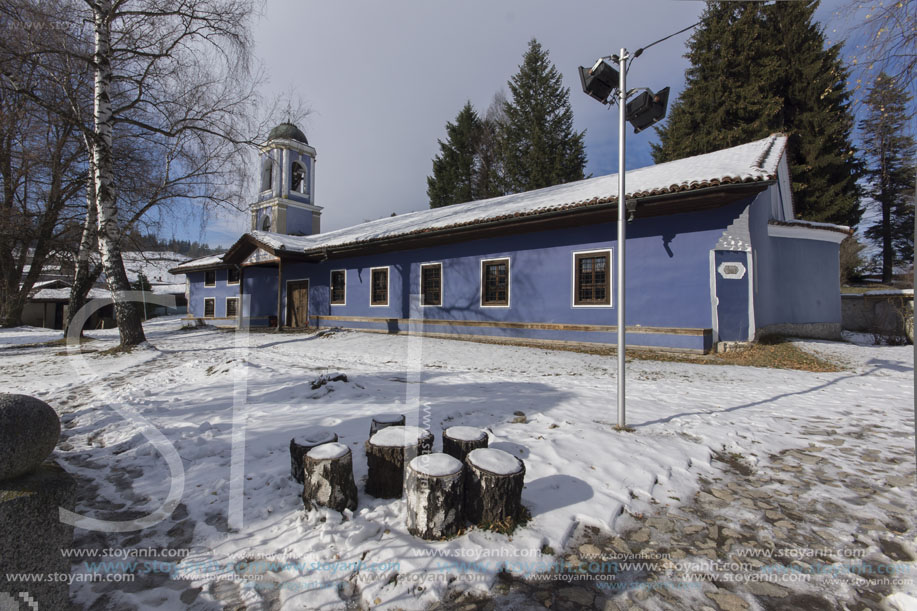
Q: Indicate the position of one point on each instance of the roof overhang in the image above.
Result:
(247, 244)
(586, 213)
(184, 269)
(802, 230)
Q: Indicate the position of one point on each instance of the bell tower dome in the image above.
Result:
(286, 198)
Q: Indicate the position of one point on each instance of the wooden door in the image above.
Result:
(298, 304)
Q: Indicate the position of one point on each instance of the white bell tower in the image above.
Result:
(286, 198)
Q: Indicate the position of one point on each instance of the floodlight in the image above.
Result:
(599, 81)
(647, 108)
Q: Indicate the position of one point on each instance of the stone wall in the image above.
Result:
(879, 312)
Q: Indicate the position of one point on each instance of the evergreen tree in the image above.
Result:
(537, 143)
(455, 174)
(490, 179)
(889, 152)
(761, 68)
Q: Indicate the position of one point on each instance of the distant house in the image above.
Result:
(49, 300)
(713, 255)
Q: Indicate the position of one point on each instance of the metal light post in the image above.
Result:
(622, 232)
(608, 85)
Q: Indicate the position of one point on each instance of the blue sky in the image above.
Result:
(382, 80)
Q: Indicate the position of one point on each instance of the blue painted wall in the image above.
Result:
(796, 281)
(260, 285)
(668, 281)
(299, 221)
(219, 293)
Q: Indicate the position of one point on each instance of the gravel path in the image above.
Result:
(765, 537)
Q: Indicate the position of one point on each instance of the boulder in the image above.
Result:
(32, 537)
(29, 430)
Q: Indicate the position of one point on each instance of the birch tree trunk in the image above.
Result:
(86, 272)
(109, 235)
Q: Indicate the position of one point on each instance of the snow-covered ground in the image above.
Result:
(227, 404)
(28, 335)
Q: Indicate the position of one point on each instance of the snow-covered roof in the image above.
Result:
(64, 294)
(196, 264)
(752, 162)
(168, 289)
(812, 225)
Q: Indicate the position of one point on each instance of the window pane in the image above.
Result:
(210, 278)
(337, 286)
(231, 307)
(208, 308)
(431, 276)
(592, 286)
(495, 283)
(380, 287)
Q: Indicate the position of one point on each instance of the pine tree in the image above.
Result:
(538, 145)
(889, 152)
(455, 173)
(761, 68)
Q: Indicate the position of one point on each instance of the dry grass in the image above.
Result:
(773, 352)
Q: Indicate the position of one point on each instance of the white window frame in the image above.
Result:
(226, 311)
(596, 251)
(509, 280)
(237, 281)
(331, 287)
(204, 313)
(442, 297)
(214, 272)
(388, 286)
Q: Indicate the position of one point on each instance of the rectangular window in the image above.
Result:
(592, 284)
(208, 308)
(379, 289)
(210, 278)
(232, 307)
(495, 282)
(431, 284)
(233, 277)
(338, 287)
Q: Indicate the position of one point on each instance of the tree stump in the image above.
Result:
(493, 487)
(385, 420)
(459, 440)
(329, 477)
(386, 453)
(300, 446)
(433, 489)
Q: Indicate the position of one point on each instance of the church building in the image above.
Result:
(713, 255)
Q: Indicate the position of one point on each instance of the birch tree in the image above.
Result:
(171, 72)
(172, 98)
